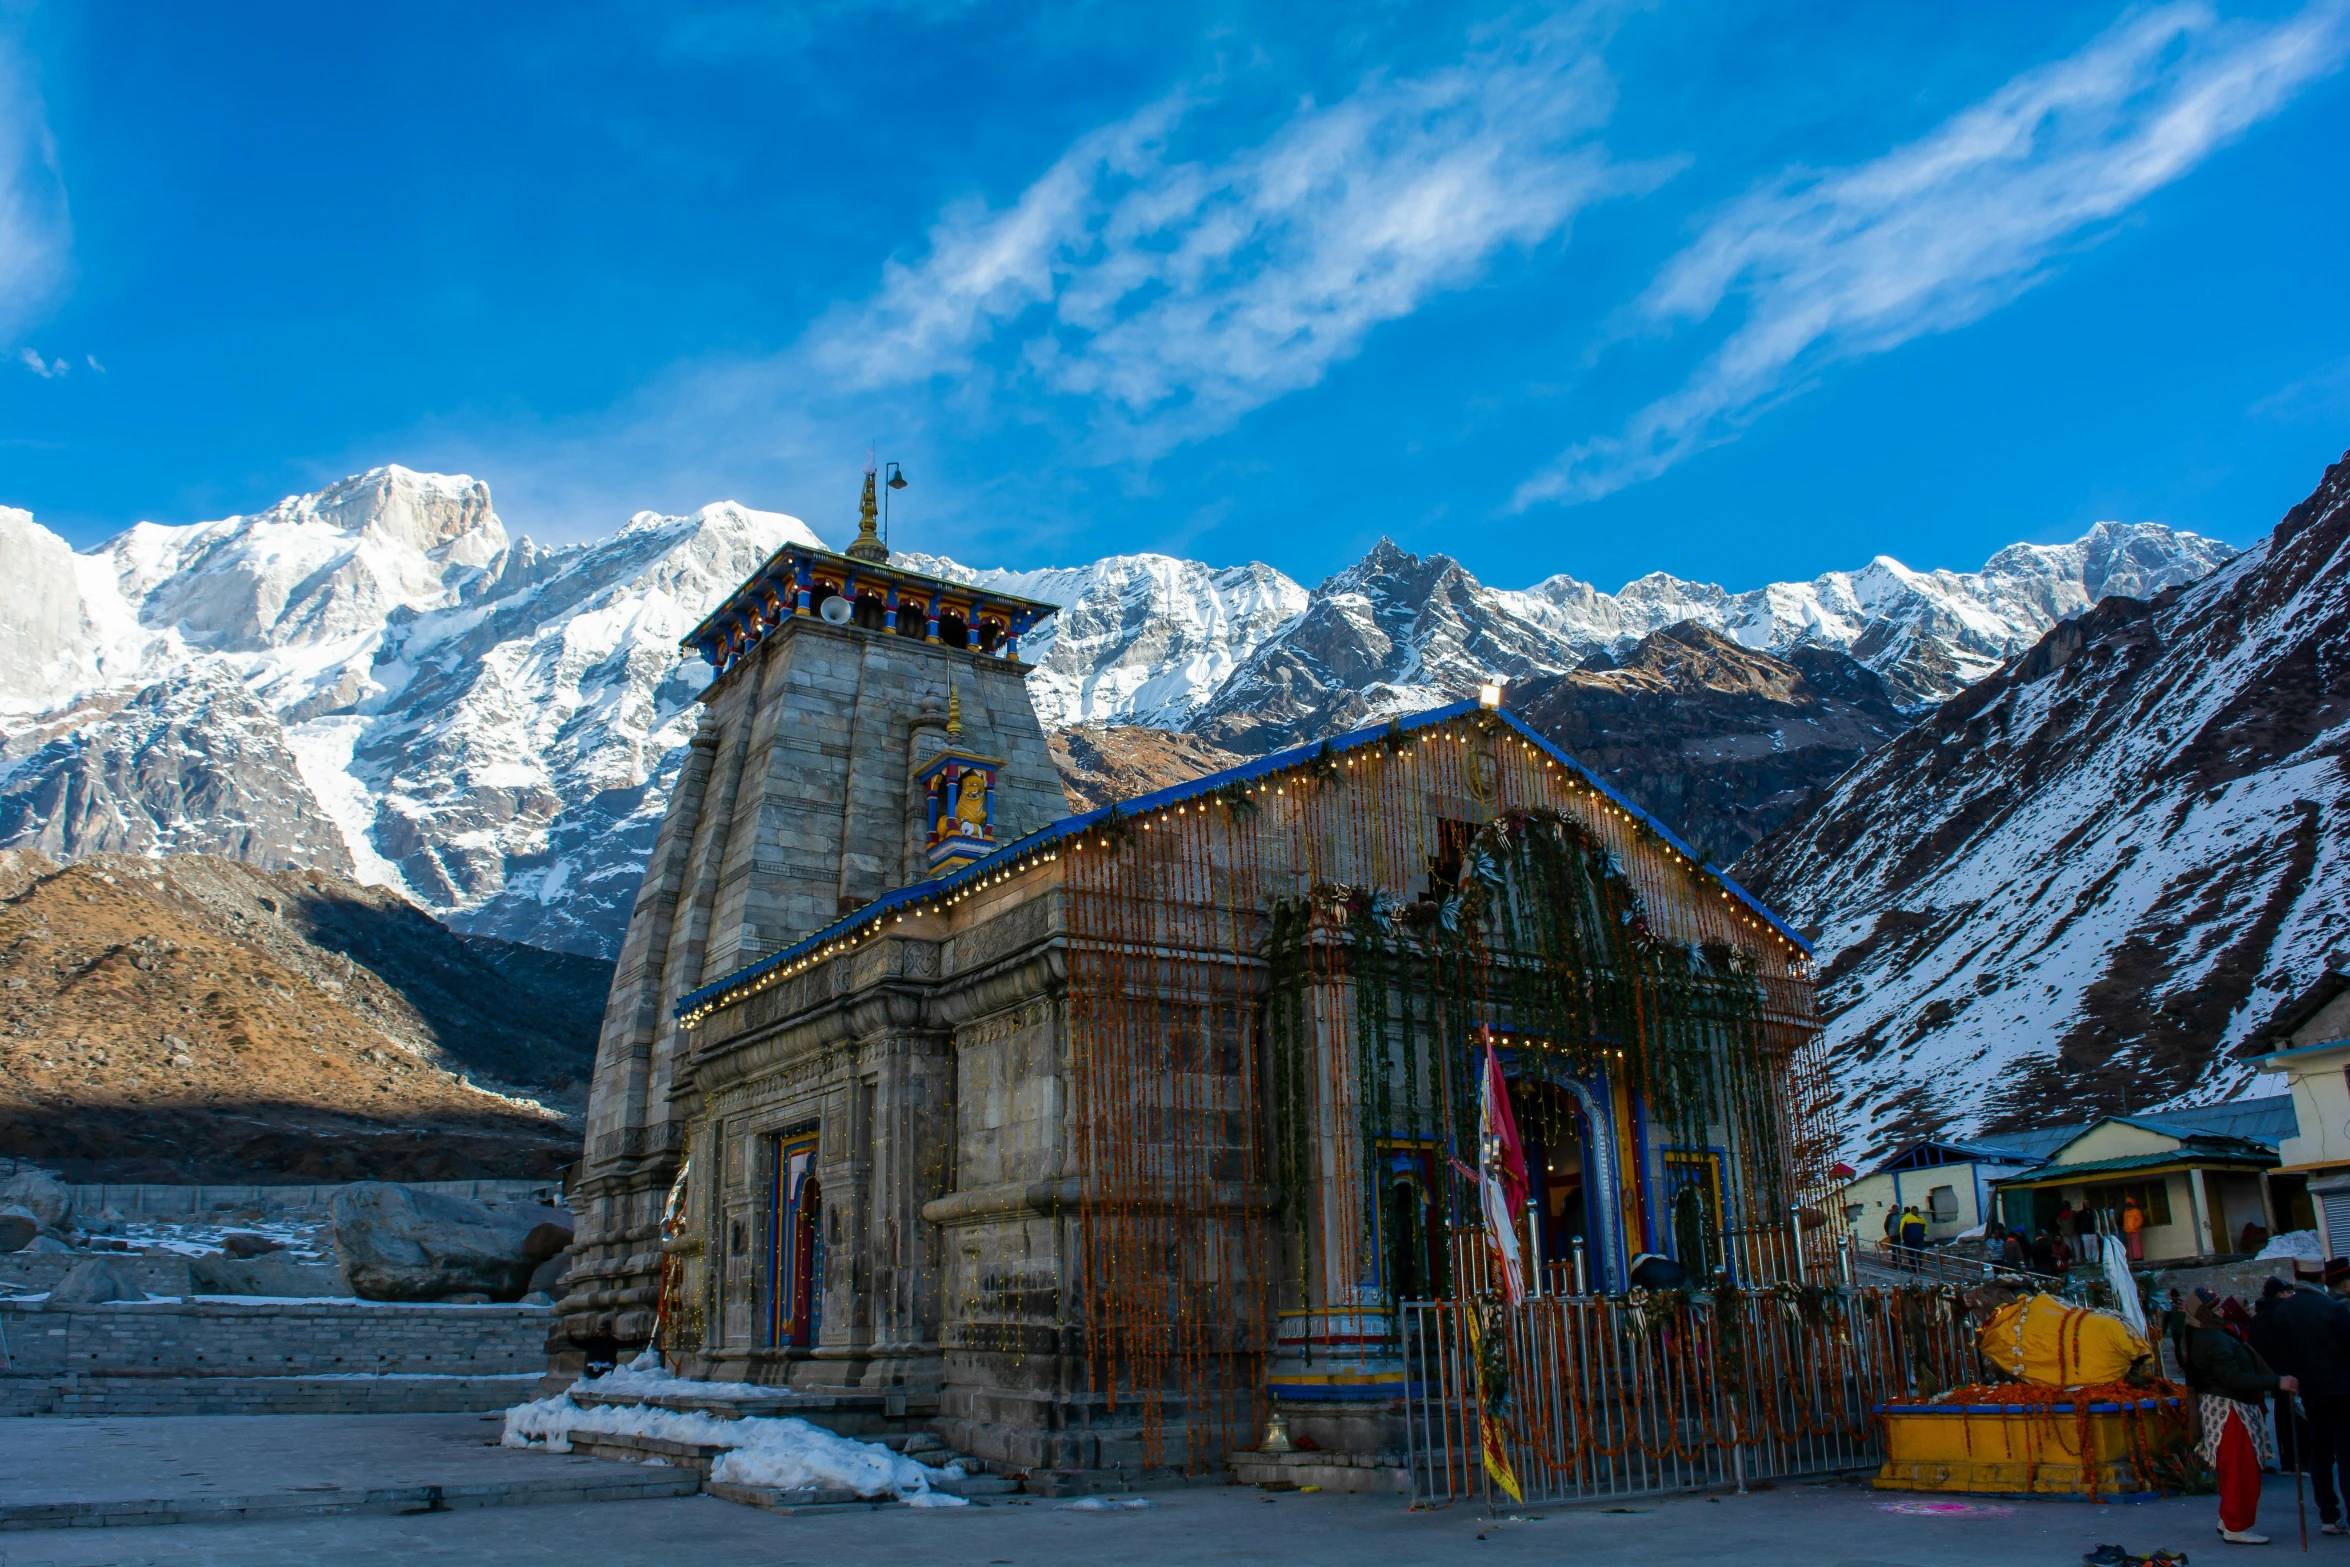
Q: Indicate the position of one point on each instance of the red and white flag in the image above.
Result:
(1501, 1177)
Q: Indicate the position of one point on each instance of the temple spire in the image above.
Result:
(869, 546)
(954, 714)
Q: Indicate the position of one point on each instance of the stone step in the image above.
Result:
(321, 1500)
(867, 1416)
(976, 1485)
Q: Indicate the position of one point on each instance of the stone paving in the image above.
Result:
(110, 1475)
(1833, 1525)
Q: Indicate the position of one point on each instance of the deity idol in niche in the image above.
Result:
(971, 803)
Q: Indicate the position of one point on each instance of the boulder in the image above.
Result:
(47, 1246)
(44, 1196)
(93, 1281)
(545, 1278)
(17, 1227)
(399, 1243)
(244, 1243)
(546, 1241)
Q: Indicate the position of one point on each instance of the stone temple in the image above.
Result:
(1090, 1142)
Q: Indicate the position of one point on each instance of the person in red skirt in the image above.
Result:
(2233, 1383)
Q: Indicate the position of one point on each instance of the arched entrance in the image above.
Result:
(1411, 1223)
(1562, 1175)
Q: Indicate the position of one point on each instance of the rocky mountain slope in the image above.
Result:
(1718, 741)
(2074, 885)
(1101, 764)
(376, 680)
(197, 1018)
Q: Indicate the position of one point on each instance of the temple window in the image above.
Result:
(1452, 845)
(872, 612)
(953, 629)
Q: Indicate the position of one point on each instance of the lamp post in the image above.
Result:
(896, 481)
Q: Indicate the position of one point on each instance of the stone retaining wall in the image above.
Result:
(72, 1394)
(37, 1272)
(220, 1338)
(213, 1201)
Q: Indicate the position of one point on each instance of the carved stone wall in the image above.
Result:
(791, 805)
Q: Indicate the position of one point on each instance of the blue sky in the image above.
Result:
(1734, 291)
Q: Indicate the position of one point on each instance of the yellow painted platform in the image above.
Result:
(2013, 1449)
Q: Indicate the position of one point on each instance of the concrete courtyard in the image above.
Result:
(261, 1468)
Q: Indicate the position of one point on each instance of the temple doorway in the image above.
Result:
(795, 1264)
(1560, 1177)
(1411, 1223)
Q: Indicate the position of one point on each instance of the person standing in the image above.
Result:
(2011, 1249)
(2267, 1335)
(2313, 1335)
(2133, 1221)
(1913, 1228)
(2233, 1383)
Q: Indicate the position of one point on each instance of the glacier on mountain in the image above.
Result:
(492, 726)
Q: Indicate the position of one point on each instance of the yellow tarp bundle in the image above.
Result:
(2041, 1339)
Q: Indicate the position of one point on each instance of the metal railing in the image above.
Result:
(1614, 1398)
(1887, 1264)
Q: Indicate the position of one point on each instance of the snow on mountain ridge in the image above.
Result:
(1140, 639)
(492, 726)
(1977, 618)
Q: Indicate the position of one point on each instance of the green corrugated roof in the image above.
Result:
(2057, 1174)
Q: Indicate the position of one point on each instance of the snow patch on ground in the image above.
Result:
(303, 1242)
(787, 1454)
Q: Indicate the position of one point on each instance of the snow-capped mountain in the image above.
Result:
(1927, 634)
(2072, 886)
(1140, 639)
(1393, 633)
(375, 678)
(1397, 632)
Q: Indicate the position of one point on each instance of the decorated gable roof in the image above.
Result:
(1046, 843)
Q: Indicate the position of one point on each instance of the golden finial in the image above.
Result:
(869, 546)
(954, 714)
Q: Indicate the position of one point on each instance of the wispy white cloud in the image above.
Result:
(1841, 264)
(33, 227)
(2322, 393)
(92, 360)
(31, 359)
(1173, 294)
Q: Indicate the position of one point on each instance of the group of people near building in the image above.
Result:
(2293, 1345)
(2073, 1236)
